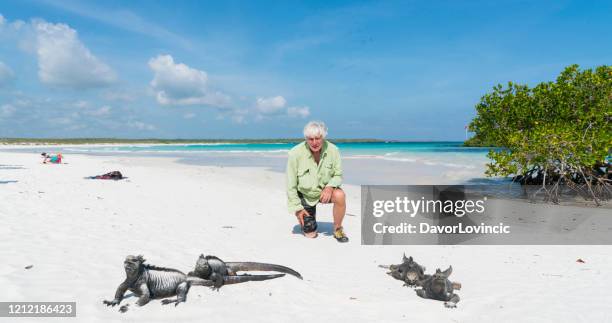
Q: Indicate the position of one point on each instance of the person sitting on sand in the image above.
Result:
(314, 174)
(53, 159)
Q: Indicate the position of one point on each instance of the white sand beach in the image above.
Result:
(76, 232)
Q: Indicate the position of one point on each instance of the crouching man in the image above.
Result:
(314, 175)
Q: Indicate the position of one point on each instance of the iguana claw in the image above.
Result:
(169, 301)
(110, 303)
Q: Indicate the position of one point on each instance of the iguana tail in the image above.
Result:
(228, 280)
(257, 266)
(196, 281)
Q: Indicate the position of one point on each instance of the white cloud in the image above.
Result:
(81, 104)
(239, 119)
(7, 110)
(189, 115)
(102, 111)
(76, 127)
(61, 121)
(14, 32)
(123, 96)
(301, 112)
(23, 102)
(6, 74)
(120, 18)
(179, 84)
(238, 116)
(276, 106)
(140, 125)
(64, 61)
(271, 105)
(18, 24)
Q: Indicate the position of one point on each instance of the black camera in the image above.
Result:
(310, 224)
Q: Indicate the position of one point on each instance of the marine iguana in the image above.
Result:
(409, 271)
(214, 269)
(152, 282)
(438, 287)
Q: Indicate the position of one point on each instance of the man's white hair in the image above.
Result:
(315, 129)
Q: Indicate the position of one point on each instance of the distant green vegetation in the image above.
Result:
(554, 133)
(85, 141)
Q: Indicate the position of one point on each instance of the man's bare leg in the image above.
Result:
(339, 200)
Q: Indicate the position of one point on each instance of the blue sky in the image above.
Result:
(403, 70)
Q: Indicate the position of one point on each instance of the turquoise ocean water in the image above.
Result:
(451, 158)
(363, 162)
(451, 154)
(352, 149)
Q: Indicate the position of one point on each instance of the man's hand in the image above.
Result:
(326, 194)
(300, 215)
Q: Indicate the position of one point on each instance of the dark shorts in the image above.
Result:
(312, 210)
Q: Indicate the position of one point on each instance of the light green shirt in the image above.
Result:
(308, 178)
